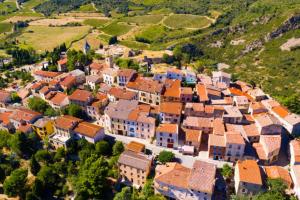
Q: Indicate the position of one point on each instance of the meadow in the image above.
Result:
(116, 28)
(5, 27)
(96, 22)
(143, 19)
(187, 21)
(43, 38)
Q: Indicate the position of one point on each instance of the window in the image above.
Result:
(230, 146)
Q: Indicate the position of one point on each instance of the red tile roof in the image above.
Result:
(47, 74)
(81, 95)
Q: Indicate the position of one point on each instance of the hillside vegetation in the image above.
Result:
(246, 34)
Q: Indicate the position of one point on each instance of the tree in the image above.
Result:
(118, 148)
(39, 105)
(165, 156)
(276, 190)
(75, 111)
(91, 179)
(148, 190)
(125, 194)
(113, 40)
(226, 171)
(15, 97)
(34, 165)
(43, 155)
(50, 179)
(15, 184)
(103, 148)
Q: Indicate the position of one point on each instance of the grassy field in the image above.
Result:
(104, 38)
(153, 33)
(5, 27)
(96, 22)
(91, 38)
(143, 19)
(116, 28)
(187, 21)
(43, 38)
(87, 8)
(134, 44)
(8, 6)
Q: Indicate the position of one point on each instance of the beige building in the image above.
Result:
(268, 148)
(247, 178)
(295, 152)
(63, 127)
(167, 135)
(134, 168)
(149, 90)
(175, 181)
(170, 112)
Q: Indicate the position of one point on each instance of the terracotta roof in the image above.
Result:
(281, 111)
(97, 66)
(204, 171)
(186, 90)
(42, 122)
(193, 135)
(135, 146)
(38, 85)
(126, 72)
(121, 109)
(277, 172)
(47, 74)
(68, 81)
(4, 118)
(234, 138)
(198, 107)
(44, 90)
(249, 172)
(146, 85)
(202, 92)
(176, 175)
(141, 114)
(135, 160)
(120, 93)
(260, 151)
(58, 98)
(270, 143)
(93, 78)
(265, 120)
(87, 129)
(25, 128)
(237, 92)
(23, 93)
(216, 140)
(167, 128)
(24, 114)
(218, 126)
(62, 61)
(66, 122)
(173, 88)
(4, 96)
(198, 122)
(296, 146)
(171, 108)
(81, 95)
(251, 130)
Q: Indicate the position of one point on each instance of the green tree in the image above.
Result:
(113, 40)
(43, 156)
(103, 148)
(118, 148)
(226, 171)
(91, 179)
(165, 156)
(34, 165)
(15, 184)
(125, 194)
(15, 97)
(75, 111)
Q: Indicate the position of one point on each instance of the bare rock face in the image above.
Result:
(257, 44)
(292, 23)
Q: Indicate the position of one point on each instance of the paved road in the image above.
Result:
(186, 160)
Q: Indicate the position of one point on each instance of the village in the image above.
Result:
(207, 121)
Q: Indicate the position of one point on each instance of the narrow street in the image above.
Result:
(185, 160)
